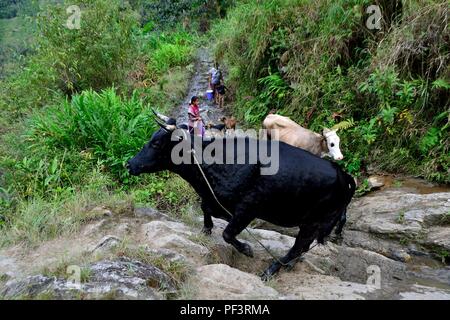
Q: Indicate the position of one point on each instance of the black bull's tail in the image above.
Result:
(348, 186)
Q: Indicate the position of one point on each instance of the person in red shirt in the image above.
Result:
(195, 120)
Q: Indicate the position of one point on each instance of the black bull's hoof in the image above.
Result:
(273, 269)
(207, 231)
(246, 250)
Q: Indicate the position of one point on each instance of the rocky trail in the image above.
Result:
(198, 87)
(396, 245)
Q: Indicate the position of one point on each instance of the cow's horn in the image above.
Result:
(161, 116)
(160, 122)
(164, 125)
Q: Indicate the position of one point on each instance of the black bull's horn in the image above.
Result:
(160, 116)
(164, 125)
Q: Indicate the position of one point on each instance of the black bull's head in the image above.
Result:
(155, 155)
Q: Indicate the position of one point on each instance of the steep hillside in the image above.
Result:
(326, 63)
(75, 108)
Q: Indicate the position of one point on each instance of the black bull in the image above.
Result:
(307, 191)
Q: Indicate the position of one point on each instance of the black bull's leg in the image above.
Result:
(207, 219)
(208, 213)
(237, 224)
(303, 241)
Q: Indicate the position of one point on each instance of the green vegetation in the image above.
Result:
(77, 111)
(75, 104)
(108, 129)
(63, 271)
(194, 14)
(16, 43)
(13, 8)
(363, 188)
(401, 217)
(97, 55)
(17, 33)
(445, 219)
(318, 63)
(443, 254)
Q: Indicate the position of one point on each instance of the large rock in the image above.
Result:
(338, 272)
(105, 244)
(406, 217)
(224, 253)
(273, 241)
(276, 242)
(353, 264)
(175, 237)
(399, 208)
(221, 282)
(375, 182)
(120, 279)
(367, 241)
(439, 237)
(425, 293)
(151, 213)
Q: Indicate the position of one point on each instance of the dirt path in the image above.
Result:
(198, 87)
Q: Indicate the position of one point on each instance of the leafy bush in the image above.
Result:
(166, 51)
(68, 61)
(105, 126)
(95, 56)
(64, 139)
(169, 13)
(8, 9)
(13, 8)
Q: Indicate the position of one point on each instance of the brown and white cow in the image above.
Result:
(292, 133)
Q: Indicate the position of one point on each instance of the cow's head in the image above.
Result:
(155, 155)
(333, 142)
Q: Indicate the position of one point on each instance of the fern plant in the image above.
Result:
(429, 140)
(112, 127)
(441, 84)
(344, 125)
(274, 87)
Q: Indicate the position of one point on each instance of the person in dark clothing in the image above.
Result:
(220, 94)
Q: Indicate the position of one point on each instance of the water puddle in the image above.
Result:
(413, 185)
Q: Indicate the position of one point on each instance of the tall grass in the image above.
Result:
(65, 134)
(108, 127)
(38, 218)
(168, 50)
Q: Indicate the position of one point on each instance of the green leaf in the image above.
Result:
(441, 84)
